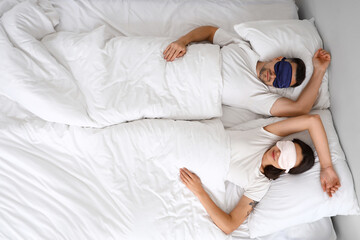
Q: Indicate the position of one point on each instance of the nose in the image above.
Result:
(277, 154)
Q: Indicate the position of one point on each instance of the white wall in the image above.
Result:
(338, 23)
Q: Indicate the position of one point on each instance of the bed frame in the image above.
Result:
(338, 25)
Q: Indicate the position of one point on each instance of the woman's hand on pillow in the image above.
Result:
(174, 50)
(191, 181)
(321, 60)
(329, 180)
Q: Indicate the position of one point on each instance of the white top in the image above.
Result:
(247, 150)
(242, 87)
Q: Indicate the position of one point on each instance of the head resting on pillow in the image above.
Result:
(281, 72)
(294, 157)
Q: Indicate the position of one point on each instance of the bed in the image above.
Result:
(92, 141)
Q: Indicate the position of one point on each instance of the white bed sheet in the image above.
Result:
(167, 18)
(121, 182)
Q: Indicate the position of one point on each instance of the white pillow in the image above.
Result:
(287, 38)
(298, 199)
(320, 230)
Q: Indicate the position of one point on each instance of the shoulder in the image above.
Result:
(223, 38)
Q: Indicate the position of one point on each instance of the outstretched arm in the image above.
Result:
(178, 48)
(328, 177)
(284, 107)
(226, 222)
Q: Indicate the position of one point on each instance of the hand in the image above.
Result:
(321, 60)
(329, 180)
(174, 50)
(191, 181)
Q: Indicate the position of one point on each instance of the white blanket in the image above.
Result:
(96, 79)
(121, 182)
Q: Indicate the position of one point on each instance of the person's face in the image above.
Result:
(267, 73)
(272, 156)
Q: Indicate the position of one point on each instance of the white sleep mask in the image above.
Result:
(287, 157)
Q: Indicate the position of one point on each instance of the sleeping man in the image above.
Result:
(246, 79)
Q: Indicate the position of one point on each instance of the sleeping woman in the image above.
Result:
(257, 157)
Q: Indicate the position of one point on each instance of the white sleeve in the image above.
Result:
(223, 38)
(257, 190)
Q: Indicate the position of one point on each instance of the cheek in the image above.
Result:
(298, 161)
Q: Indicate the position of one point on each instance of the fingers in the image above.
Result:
(174, 50)
(330, 186)
(167, 49)
(174, 55)
(185, 176)
(182, 53)
(323, 54)
(317, 53)
(335, 187)
(169, 53)
(190, 174)
(332, 190)
(323, 184)
(188, 177)
(327, 56)
(329, 193)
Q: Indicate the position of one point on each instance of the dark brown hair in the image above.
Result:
(300, 70)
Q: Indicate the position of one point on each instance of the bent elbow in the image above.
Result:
(230, 228)
(314, 117)
(311, 119)
(231, 225)
(228, 231)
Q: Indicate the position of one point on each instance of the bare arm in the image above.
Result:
(226, 222)
(284, 107)
(178, 48)
(312, 123)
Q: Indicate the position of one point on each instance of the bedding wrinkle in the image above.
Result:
(21, 203)
(90, 208)
(137, 78)
(36, 62)
(122, 9)
(86, 81)
(80, 157)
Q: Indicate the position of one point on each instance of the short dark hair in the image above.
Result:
(300, 70)
(307, 162)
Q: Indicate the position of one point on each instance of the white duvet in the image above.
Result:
(121, 182)
(97, 79)
(69, 63)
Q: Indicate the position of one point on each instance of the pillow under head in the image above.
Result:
(298, 199)
(290, 39)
